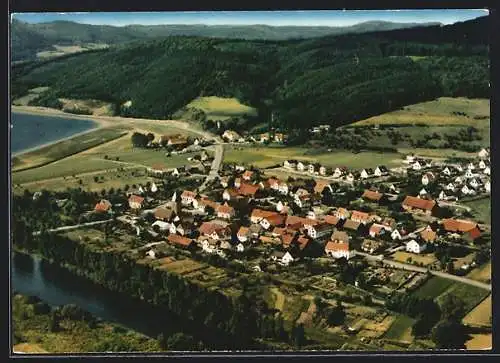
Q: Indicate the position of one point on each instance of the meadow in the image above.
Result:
(219, 108)
(480, 315)
(481, 209)
(400, 329)
(65, 148)
(263, 157)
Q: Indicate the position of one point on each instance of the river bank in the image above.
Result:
(41, 329)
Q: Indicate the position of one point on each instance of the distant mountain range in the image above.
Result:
(28, 39)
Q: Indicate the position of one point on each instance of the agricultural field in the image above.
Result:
(479, 342)
(480, 315)
(437, 112)
(219, 108)
(400, 329)
(481, 273)
(424, 258)
(481, 209)
(434, 287)
(65, 148)
(437, 288)
(60, 50)
(94, 107)
(268, 156)
(470, 295)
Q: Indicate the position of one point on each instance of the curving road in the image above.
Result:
(216, 163)
(408, 267)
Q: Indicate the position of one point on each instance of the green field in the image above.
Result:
(470, 295)
(267, 156)
(437, 112)
(219, 108)
(400, 329)
(481, 209)
(437, 288)
(65, 148)
(434, 287)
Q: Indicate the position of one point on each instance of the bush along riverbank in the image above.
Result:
(222, 322)
(40, 328)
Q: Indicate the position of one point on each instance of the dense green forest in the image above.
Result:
(30, 38)
(330, 80)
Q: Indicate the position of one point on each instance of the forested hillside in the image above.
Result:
(334, 80)
(28, 39)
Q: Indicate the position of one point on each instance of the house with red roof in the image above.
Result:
(188, 197)
(135, 201)
(180, 241)
(361, 217)
(104, 206)
(467, 229)
(338, 249)
(415, 204)
(225, 211)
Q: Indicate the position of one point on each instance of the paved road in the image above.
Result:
(76, 226)
(405, 266)
(455, 205)
(216, 163)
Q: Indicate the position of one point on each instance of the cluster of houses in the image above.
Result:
(337, 173)
(248, 209)
(233, 136)
(457, 180)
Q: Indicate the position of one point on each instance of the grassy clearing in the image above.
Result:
(470, 295)
(64, 168)
(32, 94)
(219, 108)
(68, 49)
(65, 148)
(95, 107)
(480, 315)
(401, 329)
(437, 112)
(280, 298)
(74, 336)
(437, 153)
(482, 273)
(434, 287)
(426, 259)
(268, 156)
(481, 209)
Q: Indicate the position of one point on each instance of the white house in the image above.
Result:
(422, 192)
(164, 226)
(471, 166)
(322, 170)
(154, 188)
(393, 189)
(459, 180)
(466, 190)
(311, 168)
(209, 246)
(416, 165)
(365, 174)
(283, 258)
(474, 183)
(415, 247)
(487, 186)
(290, 164)
(338, 172)
(442, 195)
(240, 247)
(350, 177)
(450, 186)
(380, 171)
(395, 234)
(487, 170)
(301, 166)
(427, 178)
(482, 164)
(320, 230)
(151, 254)
(243, 234)
(459, 168)
(446, 171)
(484, 153)
(338, 250)
(410, 158)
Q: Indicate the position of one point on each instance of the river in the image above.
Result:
(58, 286)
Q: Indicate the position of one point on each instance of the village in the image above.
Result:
(296, 218)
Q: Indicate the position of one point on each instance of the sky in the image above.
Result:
(276, 18)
